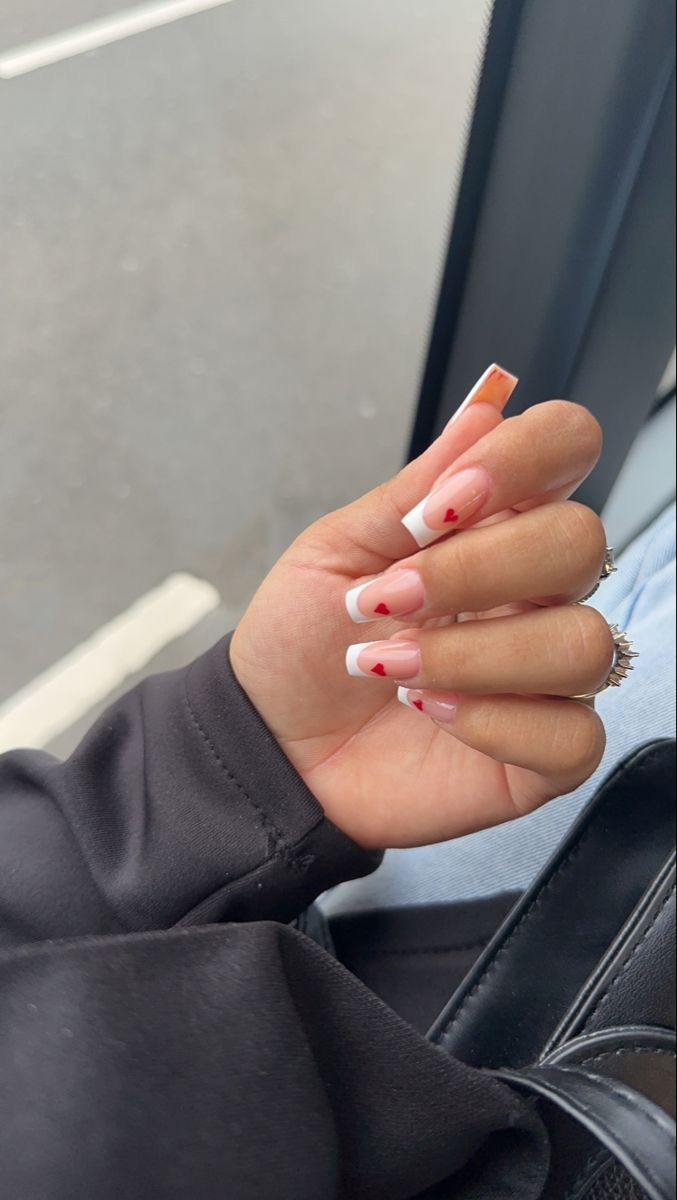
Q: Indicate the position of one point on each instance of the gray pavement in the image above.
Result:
(219, 246)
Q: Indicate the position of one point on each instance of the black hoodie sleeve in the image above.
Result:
(163, 1034)
(178, 808)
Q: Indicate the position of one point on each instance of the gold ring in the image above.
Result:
(624, 653)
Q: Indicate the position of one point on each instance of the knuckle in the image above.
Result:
(455, 560)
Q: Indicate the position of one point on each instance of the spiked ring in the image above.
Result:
(622, 666)
(608, 569)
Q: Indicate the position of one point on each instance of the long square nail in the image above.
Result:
(397, 593)
(455, 501)
(396, 659)
(494, 387)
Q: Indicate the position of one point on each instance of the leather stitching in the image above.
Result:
(529, 913)
(608, 1054)
(625, 768)
(623, 1104)
(622, 971)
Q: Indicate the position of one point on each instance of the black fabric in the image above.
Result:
(415, 958)
(146, 1051)
(178, 806)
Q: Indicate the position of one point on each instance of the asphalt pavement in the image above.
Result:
(219, 249)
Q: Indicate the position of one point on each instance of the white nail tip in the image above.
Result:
(403, 696)
(422, 534)
(354, 612)
(473, 393)
(352, 654)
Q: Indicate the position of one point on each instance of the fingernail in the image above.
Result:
(455, 501)
(397, 659)
(433, 706)
(495, 387)
(397, 594)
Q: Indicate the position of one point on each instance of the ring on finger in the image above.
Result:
(624, 653)
(609, 568)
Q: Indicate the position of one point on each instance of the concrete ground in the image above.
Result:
(219, 246)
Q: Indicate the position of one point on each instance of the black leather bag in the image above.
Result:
(573, 1001)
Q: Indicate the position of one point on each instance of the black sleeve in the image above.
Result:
(178, 808)
(237, 1062)
(235, 1059)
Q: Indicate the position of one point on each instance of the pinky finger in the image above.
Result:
(560, 740)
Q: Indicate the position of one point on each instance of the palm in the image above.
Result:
(386, 776)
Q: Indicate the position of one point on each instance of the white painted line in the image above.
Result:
(69, 689)
(99, 33)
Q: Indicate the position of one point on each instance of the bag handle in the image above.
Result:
(632, 1128)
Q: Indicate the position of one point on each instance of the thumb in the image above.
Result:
(369, 531)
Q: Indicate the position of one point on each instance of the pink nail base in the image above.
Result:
(397, 593)
(454, 501)
(397, 659)
(430, 704)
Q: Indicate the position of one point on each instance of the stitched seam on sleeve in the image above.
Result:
(281, 847)
(622, 971)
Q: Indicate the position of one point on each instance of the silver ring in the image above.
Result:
(608, 569)
(624, 652)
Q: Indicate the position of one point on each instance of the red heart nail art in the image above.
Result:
(418, 704)
(451, 517)
(379, 669)
(382, 609)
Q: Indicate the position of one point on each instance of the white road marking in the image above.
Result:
(68, 690)
(95, 34)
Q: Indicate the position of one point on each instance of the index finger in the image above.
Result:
(370, 525)
(545, 452)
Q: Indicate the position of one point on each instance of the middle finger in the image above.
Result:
(553, 554)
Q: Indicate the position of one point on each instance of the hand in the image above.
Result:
(478, 630)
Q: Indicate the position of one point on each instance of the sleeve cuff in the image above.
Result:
(301, 853)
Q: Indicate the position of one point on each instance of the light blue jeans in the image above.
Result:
(639, 598)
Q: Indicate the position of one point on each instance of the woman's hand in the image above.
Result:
(478, 630)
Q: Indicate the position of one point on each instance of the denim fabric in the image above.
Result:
(639, 598)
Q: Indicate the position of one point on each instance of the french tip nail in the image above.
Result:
(416, 526)
(352, 666)
(403, 696)
(504, 371)
(481, 392)
(352, 607)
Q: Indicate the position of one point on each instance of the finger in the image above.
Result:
(553, 554)
(547, 450)
(548, 651)
(369, 529)
(561, 740)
